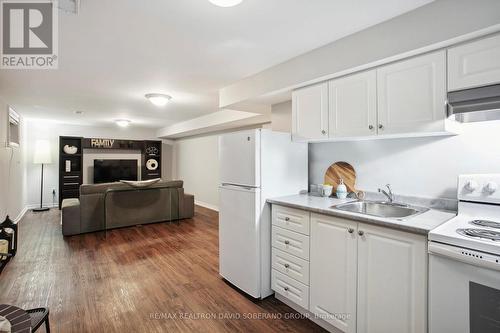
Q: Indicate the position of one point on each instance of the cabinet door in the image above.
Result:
(412, 94)
(310, 112)
(474, 64)
(333, 271)
(392, 281)
(353, 105)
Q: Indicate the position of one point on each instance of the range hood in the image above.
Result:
(475, 104)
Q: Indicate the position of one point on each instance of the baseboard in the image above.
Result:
(21, 214)
(50, 205)
(206, 205)
(28, 207)
(327, 326)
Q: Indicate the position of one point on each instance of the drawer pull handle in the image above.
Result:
(287, 242)
(286, 288)
(287, 218)
(361, 232)
(350, 230)
(286, 265)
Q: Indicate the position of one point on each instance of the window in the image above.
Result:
(13, 129)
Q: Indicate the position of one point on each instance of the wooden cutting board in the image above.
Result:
(341, 170)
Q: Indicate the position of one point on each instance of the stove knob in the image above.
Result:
(471, 186)
(490, 187)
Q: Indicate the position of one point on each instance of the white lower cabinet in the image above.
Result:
(290, 288)
(357, 277)
(392, 281)
(291, 266)
(290, 242)
(333, 271)
(292, 219)
(290, 254)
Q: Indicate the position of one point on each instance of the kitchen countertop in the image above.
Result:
(420, 224)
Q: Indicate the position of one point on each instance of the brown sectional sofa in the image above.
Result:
(162, 201)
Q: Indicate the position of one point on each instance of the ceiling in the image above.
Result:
(114, 51)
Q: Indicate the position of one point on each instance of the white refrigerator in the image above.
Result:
(254, 165)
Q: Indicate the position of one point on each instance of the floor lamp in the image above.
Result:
(42, 156)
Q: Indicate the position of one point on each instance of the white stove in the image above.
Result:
(477, 224)
(464, 261)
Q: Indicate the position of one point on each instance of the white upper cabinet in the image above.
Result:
(353, 105)
(392, 281)
(310, 112)
(412, 95)
(333, 271)
(405, 98)
(474, 64)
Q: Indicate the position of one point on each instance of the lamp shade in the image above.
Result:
(42, 153)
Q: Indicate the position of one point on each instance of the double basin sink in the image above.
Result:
(381, 209)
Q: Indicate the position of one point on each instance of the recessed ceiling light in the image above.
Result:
(122, 122)
(158, 99)
(226, 3)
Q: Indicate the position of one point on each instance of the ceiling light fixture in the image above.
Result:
(158, 99)
(225, 3)
(122, 122)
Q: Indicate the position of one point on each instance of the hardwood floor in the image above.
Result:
(155, 278)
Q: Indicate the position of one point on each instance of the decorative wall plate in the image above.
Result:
(152, 164)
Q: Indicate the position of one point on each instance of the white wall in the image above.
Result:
(281, 117)
(12, 170)
(37, 129)
(431, 24)
(425, 167)
(197, 164)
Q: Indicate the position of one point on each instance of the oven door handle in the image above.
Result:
(476, 258)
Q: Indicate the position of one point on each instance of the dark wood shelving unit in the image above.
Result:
(152, 151)
(69, 182)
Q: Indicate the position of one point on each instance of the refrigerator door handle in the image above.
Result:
(237, 187)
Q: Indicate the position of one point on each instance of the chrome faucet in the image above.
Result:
(388, 193)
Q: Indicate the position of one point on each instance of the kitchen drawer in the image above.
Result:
(291, 266)
(291, 242)
(291, 289)
(291, 219)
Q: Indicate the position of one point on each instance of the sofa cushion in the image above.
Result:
(70, 217)
(101, 188)
(70, 202)
(140, 183)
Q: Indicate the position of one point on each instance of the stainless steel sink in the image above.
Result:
(381, 209)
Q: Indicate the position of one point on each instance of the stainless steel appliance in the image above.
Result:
(475, 104)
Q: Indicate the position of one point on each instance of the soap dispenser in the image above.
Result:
(341, 190)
